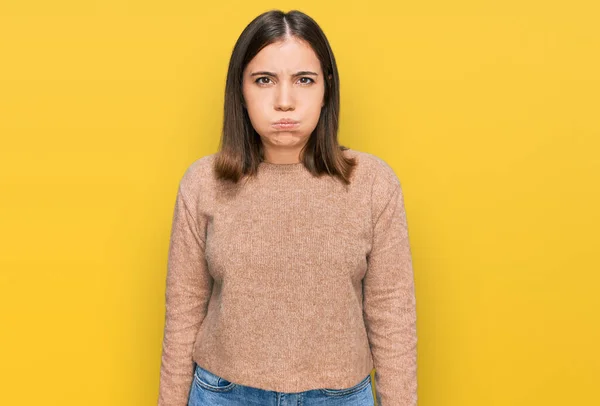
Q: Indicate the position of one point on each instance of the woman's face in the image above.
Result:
(284, 81)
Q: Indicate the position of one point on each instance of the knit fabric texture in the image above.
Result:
(290, 282)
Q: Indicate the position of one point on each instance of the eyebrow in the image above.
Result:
(300, 73)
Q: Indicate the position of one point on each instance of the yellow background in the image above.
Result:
(488, 112)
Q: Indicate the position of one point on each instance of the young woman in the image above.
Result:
(290, 272)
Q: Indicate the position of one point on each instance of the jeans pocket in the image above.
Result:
(348, 391)
(210, 381)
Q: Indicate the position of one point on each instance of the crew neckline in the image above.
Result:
(281, 168)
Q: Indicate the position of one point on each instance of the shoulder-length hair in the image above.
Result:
(240, 148)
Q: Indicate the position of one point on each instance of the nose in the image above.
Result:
(284, 98)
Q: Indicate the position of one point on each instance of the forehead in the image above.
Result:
(286, 56)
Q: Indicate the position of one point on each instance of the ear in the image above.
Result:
(330, 76)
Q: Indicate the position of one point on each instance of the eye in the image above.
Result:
(261, 83)
(305, 77)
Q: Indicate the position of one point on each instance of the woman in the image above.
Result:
(289, 273)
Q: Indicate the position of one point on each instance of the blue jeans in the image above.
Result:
(209, 389)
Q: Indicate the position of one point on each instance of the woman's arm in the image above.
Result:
(188, 289)
(389, 303)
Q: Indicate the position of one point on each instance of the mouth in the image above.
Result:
(286, 124)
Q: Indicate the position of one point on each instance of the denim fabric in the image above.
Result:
(209, 389)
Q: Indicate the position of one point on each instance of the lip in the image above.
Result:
(286, 120)
(285, 123)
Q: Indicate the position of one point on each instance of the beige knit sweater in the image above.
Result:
(291, 282)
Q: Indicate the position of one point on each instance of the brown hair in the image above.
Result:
(240, 148)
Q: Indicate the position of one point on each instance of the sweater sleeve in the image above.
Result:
(389, 303)
(188, 289)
